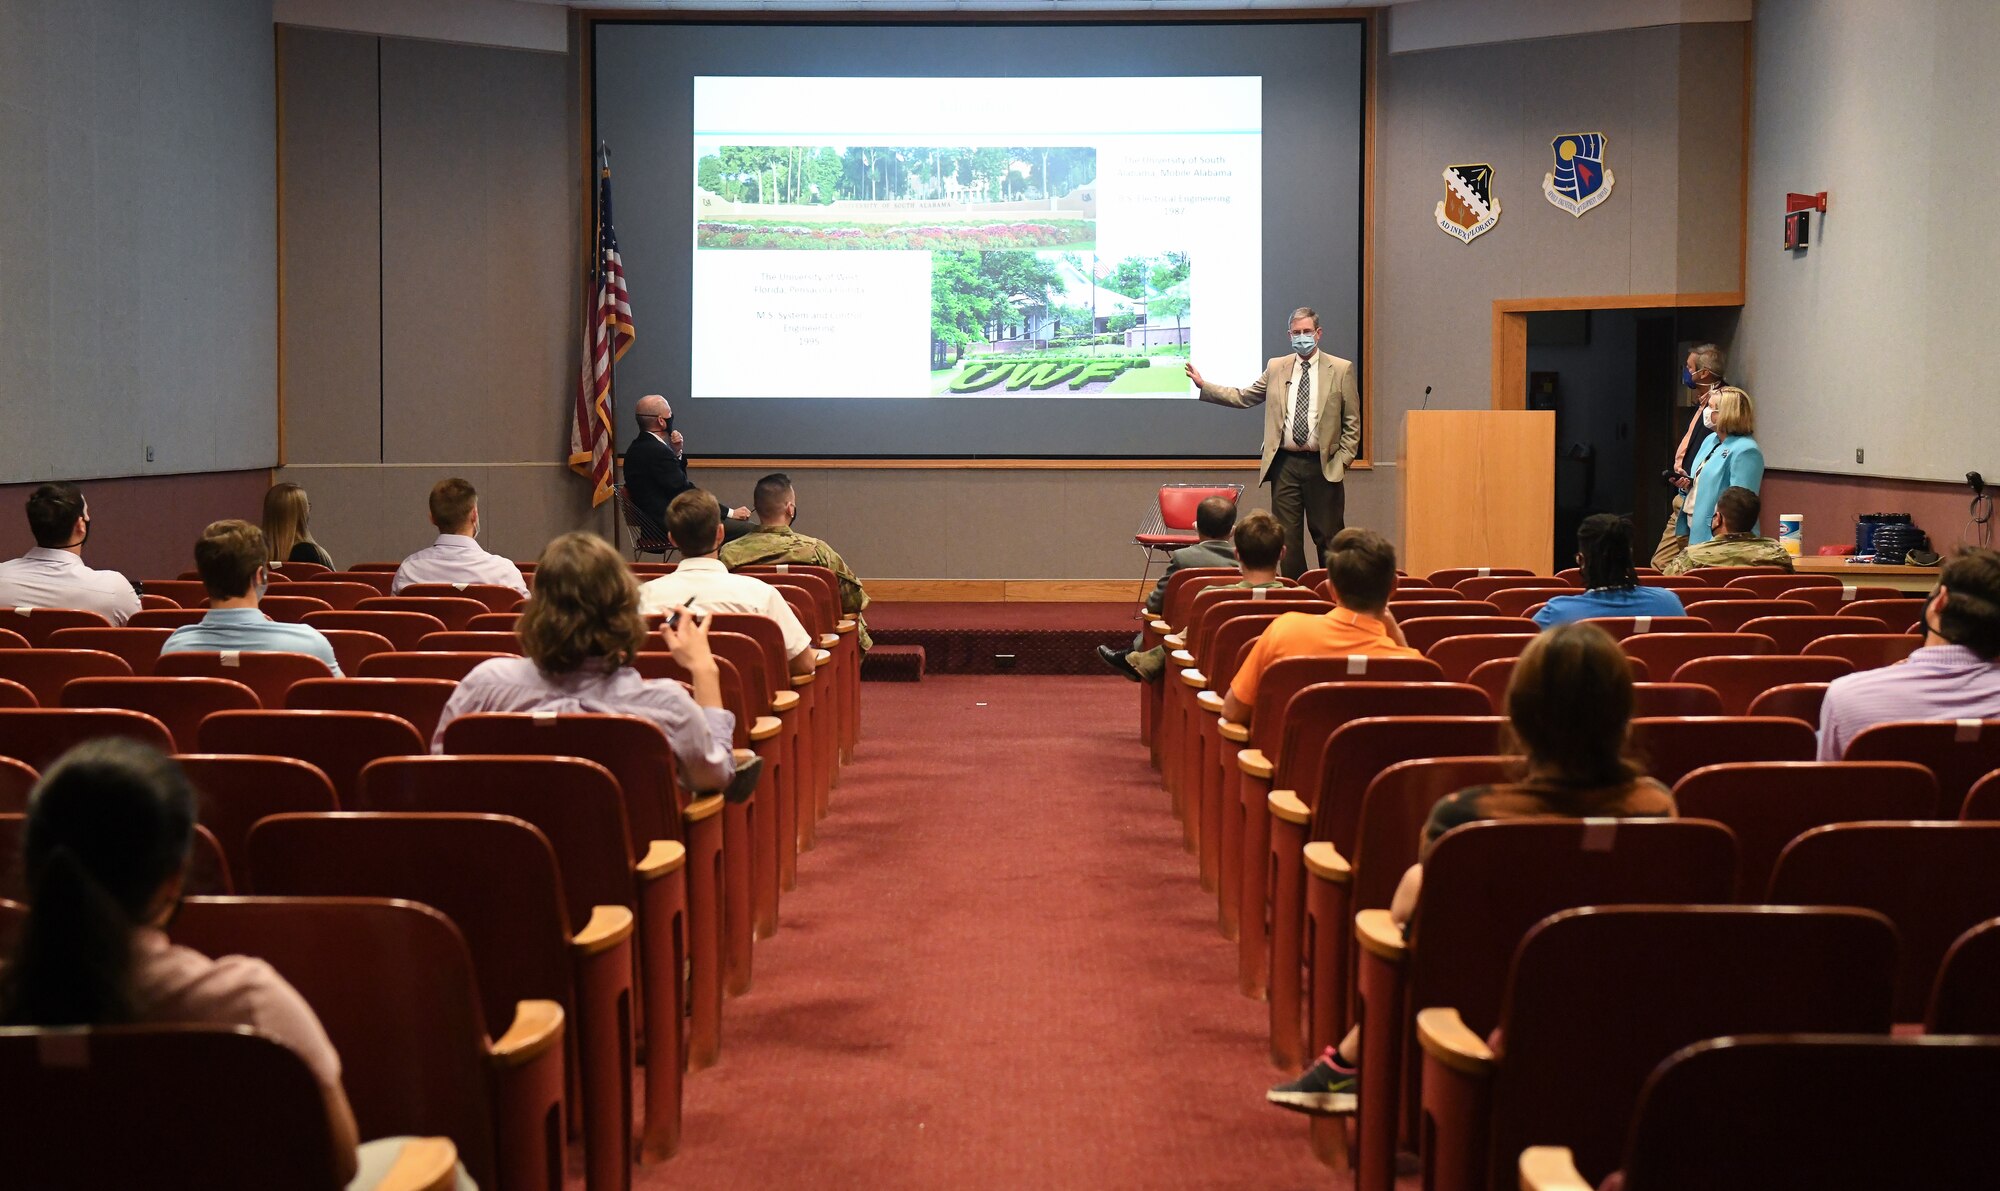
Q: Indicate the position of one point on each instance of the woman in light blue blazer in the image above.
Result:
(1729, 458)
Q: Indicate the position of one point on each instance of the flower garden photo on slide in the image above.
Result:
(927, 197)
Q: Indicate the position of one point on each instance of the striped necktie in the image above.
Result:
(1301, 427)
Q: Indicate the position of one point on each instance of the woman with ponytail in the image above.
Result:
(105, 852)
(1604, 551)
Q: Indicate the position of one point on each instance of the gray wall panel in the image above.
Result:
(332, 217)
(137, 247)
(479, 229)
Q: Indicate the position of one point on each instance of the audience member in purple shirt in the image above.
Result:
(581, 630)
(1953, 676)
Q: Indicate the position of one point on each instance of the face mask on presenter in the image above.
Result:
(1303, 343)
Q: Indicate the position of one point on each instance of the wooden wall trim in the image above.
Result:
(1510, 331)
(1006, 591)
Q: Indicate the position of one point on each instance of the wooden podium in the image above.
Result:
(1479, 489)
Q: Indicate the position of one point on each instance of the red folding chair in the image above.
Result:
(495, 878)
(17, 781)
(237, 790)
(1739, 680)
(1966, 998)
(1900, 615)
(1791, 634)
(338, 742)
(1768, 804)
(181, 703)
(299, 570)
(1414, 609)
(418, 700)
(1451, 577)
(1729, 616)
(636, 752)
(401, 629)
(495, 597)
(207, 871)
(38, 625)
(378, 581)
(1830, 599)
(1169, 523)
(383, 568)
(291, 609)
(139, 647)
(1485, 886)
(110, 1081)
(455, 611)
(9, 639)
(1573, 1066)
(1864, 651)
(1621, 627)
(1666, 653)
(45, 671)
(470, 642)
(1406, 591)
(340, 595)
(268, 674)
(351, 647)
(494, 622)
(1726, 576)
(1676, 583)
(1983, 800)
(37, 736)
(423, 1061)
(1933, 880)
(1798, 700)
(1711, 595)
(1460, 656)
(185, 593)
(1517, 600)
(1957, 752)
(425, 664)
(1676, 746)
(1425, 632)
(165, 618)
(579, 808)
(1772, 587)
(1485, 587)
(1673, 698)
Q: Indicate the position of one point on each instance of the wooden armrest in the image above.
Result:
(701, 808)
(1230, 730)
(1446, 1038)
(1210, 701)
(764, 727)
(1551, 1168)
(1285, 805)
(1161, 627)
(537, 1026)
(1324, 861)
(799, 680)
(1176, 642)
(423, 1164)
(663, 856)
(1380, 935)
(742, 757)
(608, 927)
(844, 627)
(784, 701)
(821, 657)
(1194, 678)
(1254, 763)
(828, 640)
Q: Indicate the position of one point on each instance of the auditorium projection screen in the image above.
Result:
(977, 240)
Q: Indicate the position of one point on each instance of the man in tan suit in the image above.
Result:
(1306, 450)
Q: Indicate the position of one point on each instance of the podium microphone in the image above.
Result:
(1427, 398)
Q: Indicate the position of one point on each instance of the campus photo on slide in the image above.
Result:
(903, 238)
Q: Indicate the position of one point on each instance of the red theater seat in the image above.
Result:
(338, 742)
(401, 629)
(455, 611)
(181, 703)
(45, 671)
(1958, 752)
(1665, 653)
(495, 597)
(40, 624)
(418, 700)
(1768, 804)
(237, 790)
(1739, 680)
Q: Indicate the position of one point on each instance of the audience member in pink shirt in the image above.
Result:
(105, 850)
(456, 556)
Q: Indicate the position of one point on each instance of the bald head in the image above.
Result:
(651, 407)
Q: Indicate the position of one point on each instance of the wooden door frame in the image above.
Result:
(1510, 331)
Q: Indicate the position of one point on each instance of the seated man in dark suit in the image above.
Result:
(656, 469)
(1213, 520)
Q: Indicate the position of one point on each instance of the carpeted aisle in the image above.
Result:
(998, 971)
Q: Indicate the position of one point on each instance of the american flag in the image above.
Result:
(607, 333)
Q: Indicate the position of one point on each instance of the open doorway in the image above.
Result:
(1612, 377)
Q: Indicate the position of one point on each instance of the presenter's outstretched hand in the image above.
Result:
(1194, 374)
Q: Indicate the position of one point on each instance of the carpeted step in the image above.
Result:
(893, 663)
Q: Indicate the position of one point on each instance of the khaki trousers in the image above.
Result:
(1671, 544)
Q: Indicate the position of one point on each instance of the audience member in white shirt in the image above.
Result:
(456, 556)
(694, 521)
(52, 575)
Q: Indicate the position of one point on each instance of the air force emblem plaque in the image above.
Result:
(1580, 180)
(1469, 208)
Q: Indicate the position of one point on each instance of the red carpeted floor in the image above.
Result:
(998, 971)
(1017, 638)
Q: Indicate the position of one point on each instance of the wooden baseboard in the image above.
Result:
(1003, 591)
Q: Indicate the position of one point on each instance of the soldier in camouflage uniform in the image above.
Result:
(1735, 543)
(775, 541)
(1260, 543)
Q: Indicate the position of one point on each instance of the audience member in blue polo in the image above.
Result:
(1604, 551)
(230, 557)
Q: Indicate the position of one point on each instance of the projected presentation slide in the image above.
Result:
(962, 237)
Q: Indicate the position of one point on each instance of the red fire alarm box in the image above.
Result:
(1798, 219)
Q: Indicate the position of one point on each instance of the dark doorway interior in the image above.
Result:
(1613, 379)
